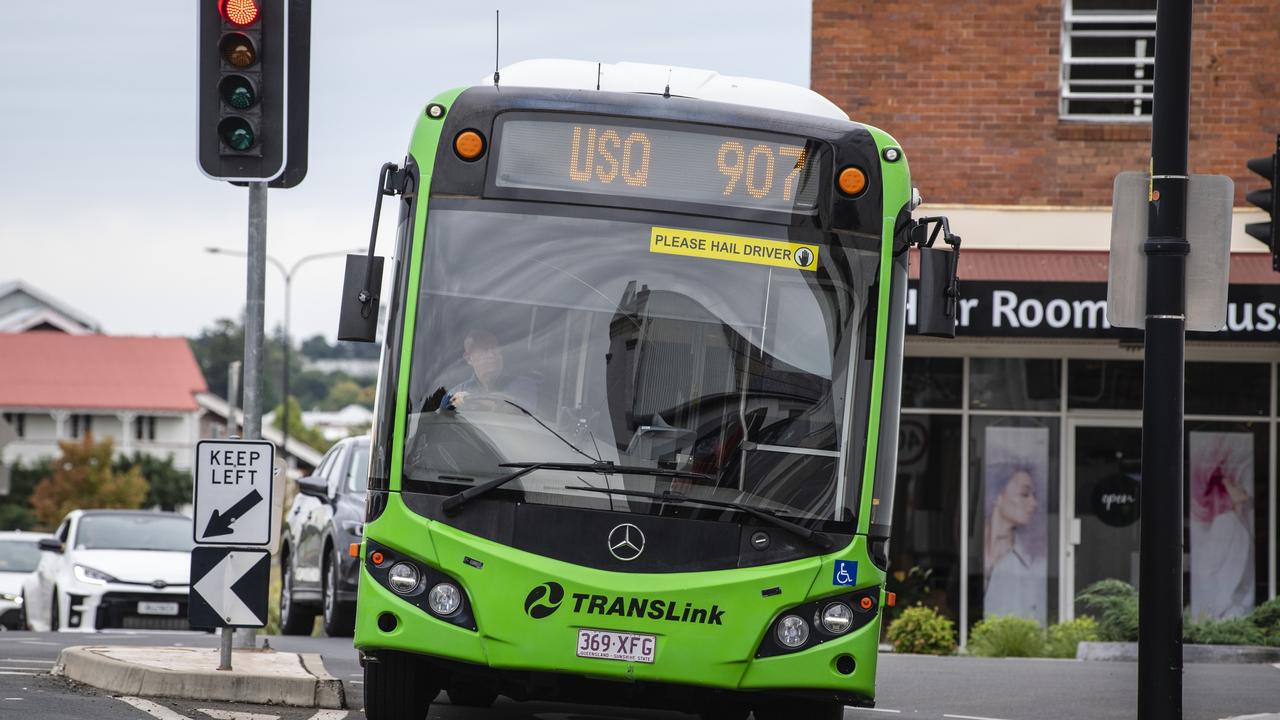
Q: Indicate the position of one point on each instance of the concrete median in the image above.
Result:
(262, 677)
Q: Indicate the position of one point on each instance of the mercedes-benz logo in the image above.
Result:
(159, 584)
(626, 542)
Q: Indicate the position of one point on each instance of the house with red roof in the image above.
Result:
(139, 391)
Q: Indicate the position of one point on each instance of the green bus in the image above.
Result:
(638, 406)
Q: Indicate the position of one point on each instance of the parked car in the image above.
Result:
(327, 515)
(112, 569)
(19, 556)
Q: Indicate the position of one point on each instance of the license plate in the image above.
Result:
(157, 608)
(608, 645)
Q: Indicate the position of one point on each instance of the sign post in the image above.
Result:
(235, 527)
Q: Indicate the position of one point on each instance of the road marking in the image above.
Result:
(328, 715)
(1276, 666)
(154, 710)
(884, 710)
(38, 642)
(236, 715)
(356, 682)
(13, 672)
(21, 668)
(13, 698)
(970, 717)
(29, 662)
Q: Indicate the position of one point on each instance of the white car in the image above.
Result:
(112, 569)
(18, 558)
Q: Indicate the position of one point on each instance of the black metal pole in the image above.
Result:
(1166, 247)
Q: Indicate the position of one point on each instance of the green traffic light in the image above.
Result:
(237, 91)
(237, 133)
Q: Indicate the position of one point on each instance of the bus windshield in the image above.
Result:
(560, 338)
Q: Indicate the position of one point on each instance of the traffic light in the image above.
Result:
(242, 88)
(1268, 201)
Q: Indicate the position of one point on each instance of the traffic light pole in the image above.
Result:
(1166, 248)
(254, 319)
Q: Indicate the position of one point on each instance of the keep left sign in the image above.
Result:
(234, 492)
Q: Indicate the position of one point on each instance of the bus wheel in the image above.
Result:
(807, 709)
(397, 686)
(470, 692)
(728, 712)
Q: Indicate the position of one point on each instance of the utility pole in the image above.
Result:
(1166, 248)
(254, 313)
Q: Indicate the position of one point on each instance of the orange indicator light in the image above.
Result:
(376, 558)
(354, 550)
(852, 181)
(891, 599)
(468, 144)
(865, 603)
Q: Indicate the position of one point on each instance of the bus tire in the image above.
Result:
(397, 686)
(807, 709)
(726, 712)
(469, 692)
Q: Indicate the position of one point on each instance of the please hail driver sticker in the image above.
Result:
(733, 248)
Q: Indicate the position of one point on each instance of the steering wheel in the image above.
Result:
(477, 401)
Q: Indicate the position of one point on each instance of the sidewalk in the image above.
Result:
(261, 677)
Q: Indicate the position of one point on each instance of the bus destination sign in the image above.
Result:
(768, 172)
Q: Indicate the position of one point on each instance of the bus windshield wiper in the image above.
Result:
(817, 537)
(600, 467)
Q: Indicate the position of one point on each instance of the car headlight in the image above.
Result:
(89, 576)
(10, 597)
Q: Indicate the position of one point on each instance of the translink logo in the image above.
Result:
(543, 600)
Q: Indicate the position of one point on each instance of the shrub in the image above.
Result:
(1062, 639)
(922, 630)
(1114, 604)
(1267, 619)
(1006, 636)
(1233, 631)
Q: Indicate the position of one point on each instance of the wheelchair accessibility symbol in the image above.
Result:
(846, 573)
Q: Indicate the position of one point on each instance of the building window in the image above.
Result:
(81, 425)
(1108, 60)
(17, 421)
(144, 427)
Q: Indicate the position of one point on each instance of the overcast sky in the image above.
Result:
(101, 202)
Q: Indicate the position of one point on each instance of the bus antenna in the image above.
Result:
(497, 43)
(598, 76)
(666, 93)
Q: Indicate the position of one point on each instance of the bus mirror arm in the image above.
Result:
(358, 311)
(939, 293)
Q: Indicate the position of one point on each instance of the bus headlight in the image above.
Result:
(793, 631)
(403, 578)
(444, 599)
(836, 618)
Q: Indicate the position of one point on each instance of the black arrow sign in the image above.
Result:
(220, 523)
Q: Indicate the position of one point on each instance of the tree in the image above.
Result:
(297, 430)
(15, 510)
(85, 478)
(168, 486)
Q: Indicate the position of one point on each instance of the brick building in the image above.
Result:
(1016, 116)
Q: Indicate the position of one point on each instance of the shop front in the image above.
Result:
(1019, 463)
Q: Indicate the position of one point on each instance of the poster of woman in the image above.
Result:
(1015, 552)
(1222, 580)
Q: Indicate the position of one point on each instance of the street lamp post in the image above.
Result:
(287, 276)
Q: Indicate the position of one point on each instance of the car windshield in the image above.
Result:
(134, 532)
(18, 555)
(358, 470)
(555, 338)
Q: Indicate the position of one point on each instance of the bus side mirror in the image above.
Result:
(358, 311)
(937, 298)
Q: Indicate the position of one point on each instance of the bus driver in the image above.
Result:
(482, 351)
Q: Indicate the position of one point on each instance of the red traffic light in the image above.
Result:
(240, 13)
